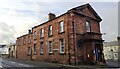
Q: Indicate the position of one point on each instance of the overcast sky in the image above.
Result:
(17, 16)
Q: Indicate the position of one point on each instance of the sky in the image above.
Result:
(17, 16)
(119, 20)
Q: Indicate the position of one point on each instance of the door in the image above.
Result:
(98, 53)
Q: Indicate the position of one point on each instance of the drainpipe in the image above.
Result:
(76, 59)
(69, 56)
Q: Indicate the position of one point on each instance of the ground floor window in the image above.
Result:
(35, 49)
(110, 56)
(61, 45)
(29, 51)
(116, 55)
(50, 47)
(41, 48)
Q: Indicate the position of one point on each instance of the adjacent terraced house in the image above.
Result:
(73, 37)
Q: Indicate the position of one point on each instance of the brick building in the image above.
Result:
(72, 37)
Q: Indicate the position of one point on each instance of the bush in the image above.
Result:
(54, 61)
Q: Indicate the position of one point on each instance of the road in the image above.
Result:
(5, 64)
(10, 64)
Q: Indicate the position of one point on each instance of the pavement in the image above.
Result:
(45, 65)
(113, 63)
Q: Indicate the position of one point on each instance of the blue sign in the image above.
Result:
(96, 53)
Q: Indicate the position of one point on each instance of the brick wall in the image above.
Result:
(68, 19)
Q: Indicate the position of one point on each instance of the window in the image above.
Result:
(35, 48)
(61, 46)
(108, 48)
(35, 35)
(29, 39)
(50, 47)
(61, 27)
(42, 33)
(18, 42)
(41, 47)
(110, 57)
(87, 26)
(116, 55)
(24, 40)
(29, 51)
(50, 30)
(115, 49)
(106, 56)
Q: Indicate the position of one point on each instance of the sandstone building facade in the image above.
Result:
(72, 37)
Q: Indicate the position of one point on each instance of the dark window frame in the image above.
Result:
(29, 40)
(41, 48)
(50, 30)
(35, 49)
(62, 45)
(61, 27)
(87, 25)
(51, 46)
(42, 33)
(35, 34)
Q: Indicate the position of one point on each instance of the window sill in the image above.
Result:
(29, 43)
(61, 32)
(35, 53)
(50, 35)
(41, 37)
(35, 38)
(62, 53)
(41, 53)
(50, 53)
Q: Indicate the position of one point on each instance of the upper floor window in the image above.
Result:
(50, 30)
(42, 33)
(50, 47)
(24, 40)
(108, 48)
(18, 41)
(35, 48)
(29, 39)
(61, 27)
(61, 46)
(87, 26)
(41, 48)
(115, 48)
(35, 35)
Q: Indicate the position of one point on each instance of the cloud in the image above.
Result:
(6, 33)
(18, 16)
(119, 19)
(109, 25)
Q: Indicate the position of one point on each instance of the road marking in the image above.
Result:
(24, 65)
(12, 62)
(0, 66)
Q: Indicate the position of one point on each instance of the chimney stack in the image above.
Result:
(51, 16)
(29, 31)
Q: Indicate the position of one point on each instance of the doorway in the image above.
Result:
(98, 53)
